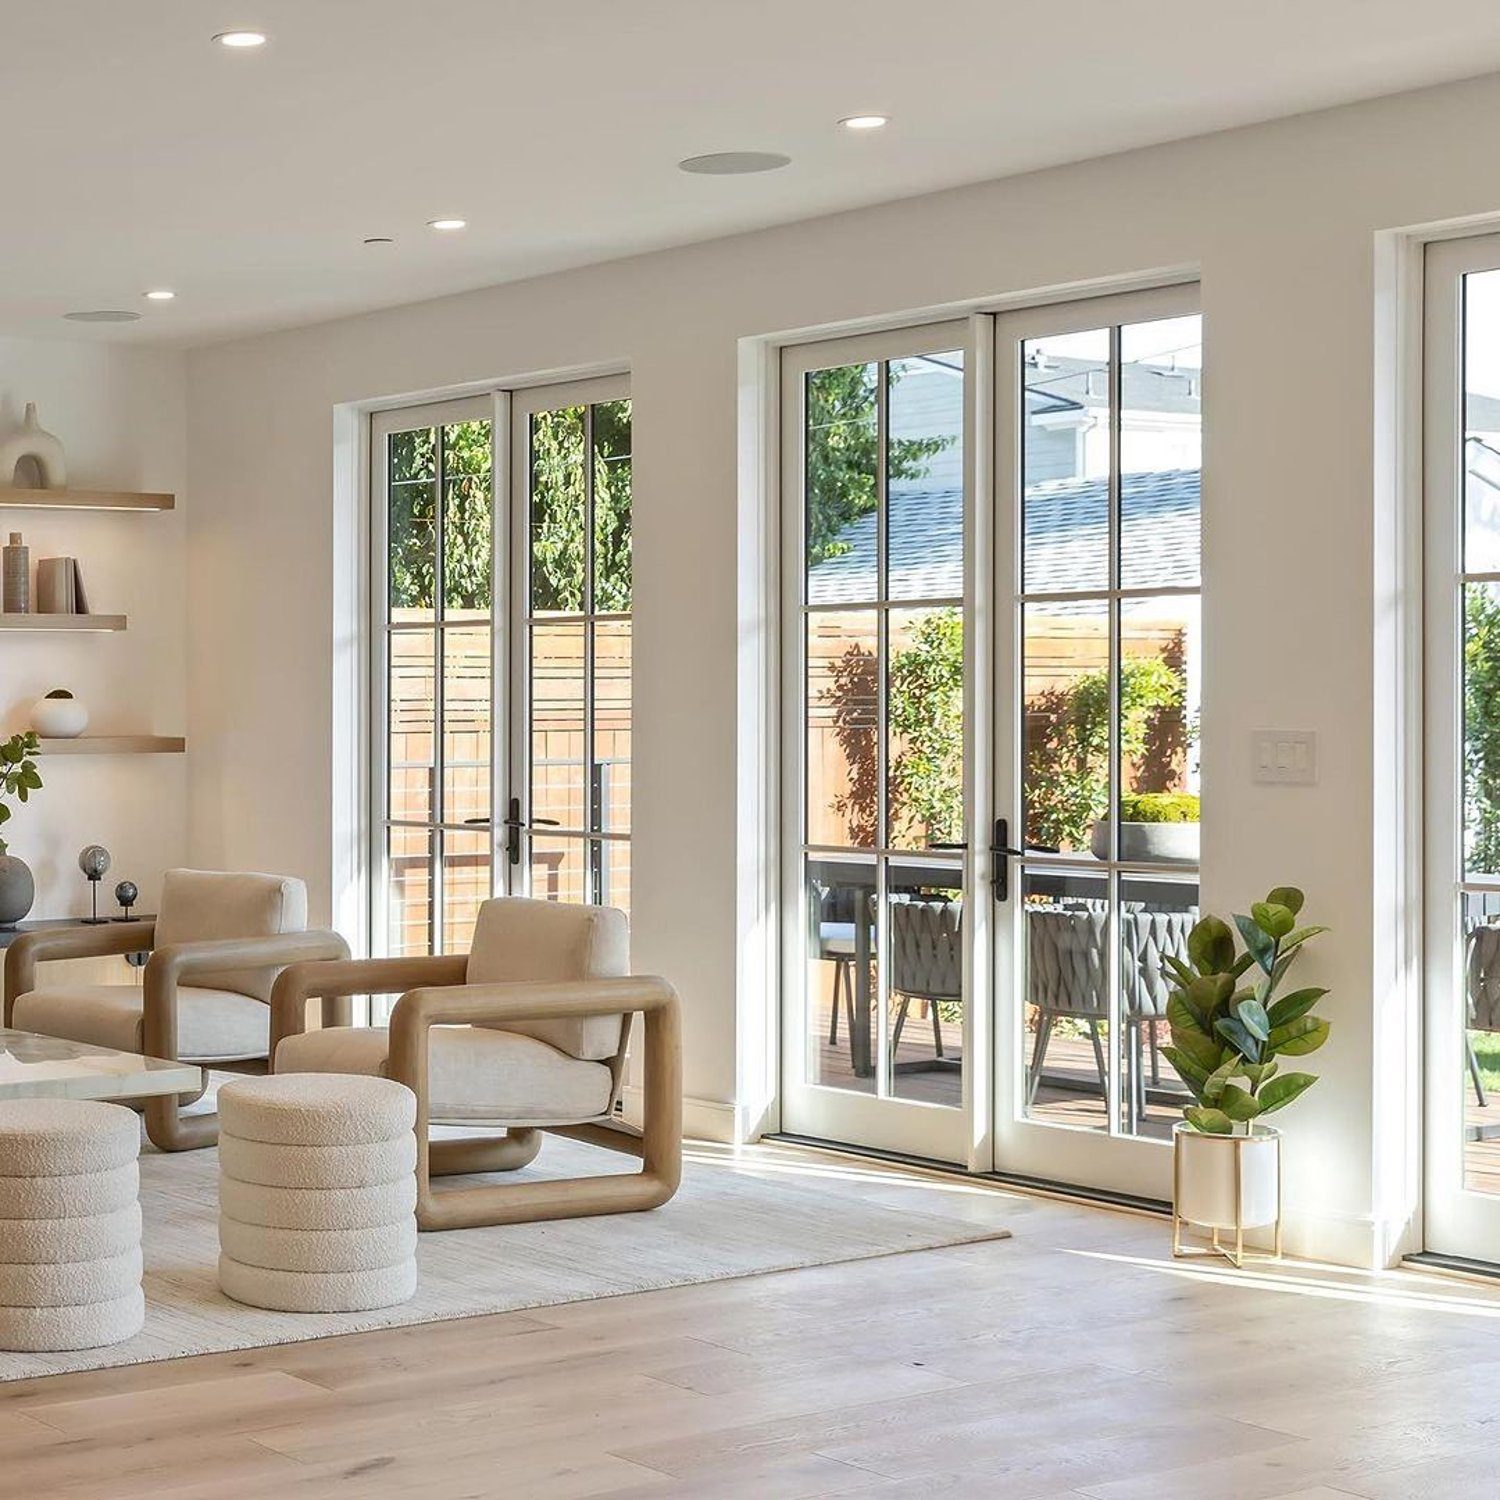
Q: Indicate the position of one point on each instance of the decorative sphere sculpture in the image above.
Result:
(93, 860)
(127, 894)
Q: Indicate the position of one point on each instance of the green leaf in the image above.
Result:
(1298, 1038)
(1257, 1073)
(1252, 1016)
(1299, 936)
(1298, 1003)
(1275, 921)
(1242, 963)
(1187, 1070)
(1241, 1040)
(1238, 1103)
(1209, 1121)
(1189, 1037)
(1213, 1086)
(1281, 1091)
(1261, 947)
(1211, 946)
(1288, 896)
(1177, 969)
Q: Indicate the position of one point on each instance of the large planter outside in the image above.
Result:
(17, 889)
(1226, 1183)
(1149, 843)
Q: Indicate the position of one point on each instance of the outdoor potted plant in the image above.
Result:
(1155, 828)
(18, 780)
(1228, 1040)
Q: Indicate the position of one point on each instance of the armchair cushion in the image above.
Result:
(476, 1073)
(199, 906)
(212, 1024)
(519, 941)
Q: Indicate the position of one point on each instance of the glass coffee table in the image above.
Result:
(48, 1067)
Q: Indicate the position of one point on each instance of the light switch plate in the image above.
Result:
(1285, 757)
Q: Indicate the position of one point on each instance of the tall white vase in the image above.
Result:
(43, 448)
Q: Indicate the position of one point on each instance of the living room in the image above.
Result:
(694, 732)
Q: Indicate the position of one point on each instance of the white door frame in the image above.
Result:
(1457, 1220)
(1134, 1166)
(878, 1120)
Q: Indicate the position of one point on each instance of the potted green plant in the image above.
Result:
(18, 780)
(1155, 827)
(1228, 1041)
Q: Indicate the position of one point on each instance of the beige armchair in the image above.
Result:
(216, 949)
(528, 1033)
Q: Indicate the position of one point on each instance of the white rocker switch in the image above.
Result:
(1285, 757)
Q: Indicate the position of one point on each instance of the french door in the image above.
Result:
(500, 653)
(1461, 452)
(991, 747)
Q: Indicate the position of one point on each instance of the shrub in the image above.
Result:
(1158, 807)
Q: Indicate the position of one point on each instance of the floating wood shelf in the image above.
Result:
(117, 744)
(62, 622)
(85, 500)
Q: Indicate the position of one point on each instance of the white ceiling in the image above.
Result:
(138, 154)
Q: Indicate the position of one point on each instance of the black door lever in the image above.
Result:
(1003, 852)
(513, 824)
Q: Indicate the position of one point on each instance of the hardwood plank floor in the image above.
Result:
(1074, 1360)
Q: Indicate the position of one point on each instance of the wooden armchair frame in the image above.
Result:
(435, 995)
(168, 968)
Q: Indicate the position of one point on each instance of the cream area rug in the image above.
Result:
(738, 1213)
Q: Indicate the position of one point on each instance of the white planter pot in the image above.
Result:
(59, 718)
(1207, 1168)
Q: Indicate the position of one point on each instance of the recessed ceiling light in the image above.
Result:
(734, 163)
(447, 223)
(241, 39)
(864, 122)
(379, 239)
(103, 315)
(161, 294)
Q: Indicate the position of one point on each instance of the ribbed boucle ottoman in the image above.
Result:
(317, 1192)
(70, 1225)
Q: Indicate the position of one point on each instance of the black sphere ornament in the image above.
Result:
(93, 860)
(127, 894)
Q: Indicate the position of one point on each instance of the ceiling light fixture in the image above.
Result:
(241, 40)
(447, 224)
(379, 239)
(864, 122)
(734, 163)
(161, 294)
(103, 315)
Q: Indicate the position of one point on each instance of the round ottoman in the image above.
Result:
(317, 1192)
(70, 1225)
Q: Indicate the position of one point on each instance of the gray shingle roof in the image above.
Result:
(1067, 532)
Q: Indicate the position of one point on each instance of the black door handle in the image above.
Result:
(513, 824)
(1004, 851)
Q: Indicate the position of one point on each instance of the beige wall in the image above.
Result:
(121, 415)
(1281, 219)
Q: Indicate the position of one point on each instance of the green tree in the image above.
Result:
(1482, 731)
(925, 704)
(1067, 744)
(843, 450)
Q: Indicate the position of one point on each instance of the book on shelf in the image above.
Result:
(59, 587)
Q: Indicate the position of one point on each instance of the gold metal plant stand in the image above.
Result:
(1238, 1256)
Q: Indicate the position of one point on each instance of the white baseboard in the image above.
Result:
(702, 1119)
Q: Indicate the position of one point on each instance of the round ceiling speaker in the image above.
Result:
(734, 163)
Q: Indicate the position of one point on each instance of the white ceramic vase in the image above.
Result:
(59, 718)
(43, 449)
(1206, 1174)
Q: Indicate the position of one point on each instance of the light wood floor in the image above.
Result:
(1075, 1359)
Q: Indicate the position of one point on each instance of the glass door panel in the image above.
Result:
(877, 1022)
(1462, 771)
(432, 675)
(1098, 650)
(573, 653)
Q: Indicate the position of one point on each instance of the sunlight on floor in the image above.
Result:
(1397, 1289)
(782, 1161)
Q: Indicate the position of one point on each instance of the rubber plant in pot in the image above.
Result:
(1230, 1035)
(18, 780)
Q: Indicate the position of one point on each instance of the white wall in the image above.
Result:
(121, 415)
(1281, 220)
